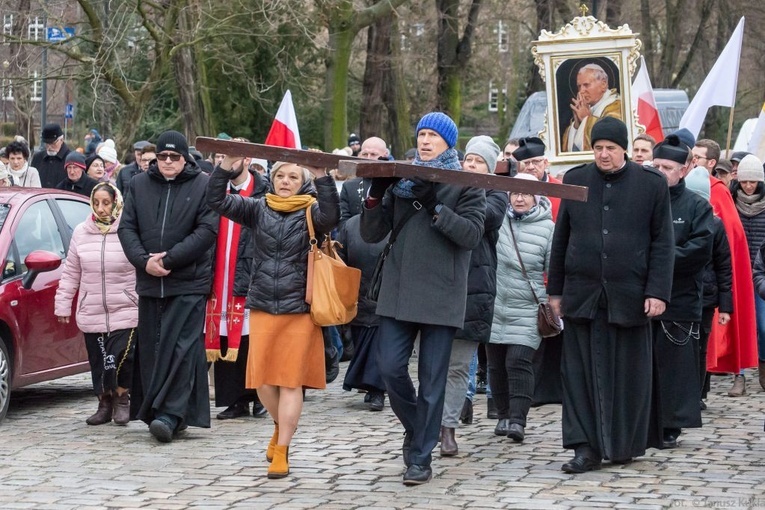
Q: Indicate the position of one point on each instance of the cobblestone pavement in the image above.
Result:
(345, 457)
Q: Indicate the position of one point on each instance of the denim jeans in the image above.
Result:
(471, 379)
(759, 307)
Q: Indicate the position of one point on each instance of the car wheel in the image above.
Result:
(5, 379)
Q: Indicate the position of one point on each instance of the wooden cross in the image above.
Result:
(367, 168)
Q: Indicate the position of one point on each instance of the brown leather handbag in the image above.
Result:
(332, 288)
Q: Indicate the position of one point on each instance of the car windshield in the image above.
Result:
(4, 208)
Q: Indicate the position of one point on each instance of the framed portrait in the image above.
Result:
(587, 69)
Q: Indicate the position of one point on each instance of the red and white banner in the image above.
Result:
(284, 130)
(644, 103)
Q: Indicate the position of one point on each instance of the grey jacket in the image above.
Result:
(515, 311)
(425, 275)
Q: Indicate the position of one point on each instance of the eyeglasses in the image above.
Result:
(164, 156)
(535, 162)
(696, 158)
(521, 195)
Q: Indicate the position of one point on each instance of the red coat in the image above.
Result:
(555, 201)
(734, 346)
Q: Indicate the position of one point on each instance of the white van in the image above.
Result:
(672, 104)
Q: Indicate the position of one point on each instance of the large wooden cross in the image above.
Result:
(367, 168)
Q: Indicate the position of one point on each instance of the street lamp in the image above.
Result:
(6, 65)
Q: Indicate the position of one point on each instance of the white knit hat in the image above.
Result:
(750, 169)
(108, 152)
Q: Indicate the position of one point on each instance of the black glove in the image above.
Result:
(380, 184)
(425, 191)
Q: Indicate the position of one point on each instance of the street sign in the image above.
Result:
(69, 111)
(59, 34)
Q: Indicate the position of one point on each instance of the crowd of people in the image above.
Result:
(188, 262)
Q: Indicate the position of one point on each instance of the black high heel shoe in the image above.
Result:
(466, 416)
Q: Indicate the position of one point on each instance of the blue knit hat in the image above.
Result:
(441, 124)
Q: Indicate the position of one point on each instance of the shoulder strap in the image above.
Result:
(394, 233)
(520, 261)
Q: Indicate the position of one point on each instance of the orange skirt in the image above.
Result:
(285, 350)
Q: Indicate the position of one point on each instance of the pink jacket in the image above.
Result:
(98, 267)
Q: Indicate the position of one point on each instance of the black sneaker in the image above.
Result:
(236, 410)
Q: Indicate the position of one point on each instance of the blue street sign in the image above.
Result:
(69, 112)
(59, 34)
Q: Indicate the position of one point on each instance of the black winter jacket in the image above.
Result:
(754, 226)
(352, 197)
(280, 255)
(50, 168)
(126, 173)
(615, 249)
(718, 275)
(84, 185)
(482, 277)
(692, 222)
(170, 216)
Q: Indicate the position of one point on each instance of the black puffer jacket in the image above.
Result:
(173, 217)
(754, 226)
(718, 275)
(482, 278)
(280, 255)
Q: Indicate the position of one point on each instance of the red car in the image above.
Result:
(35, 229)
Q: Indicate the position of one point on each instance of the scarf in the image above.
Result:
(105, 224)
(289, 204)
(223, 290)
(749, 205)
(20, 175)
(447, 160)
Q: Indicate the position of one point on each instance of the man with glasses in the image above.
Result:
(50, 162)
(167, 230)
(530, 155)
(354, 191)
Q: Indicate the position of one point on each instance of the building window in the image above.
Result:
(36, 87)
(6, 89)
(502, 37)
(7, 24)
(494, 97)
(36, 29)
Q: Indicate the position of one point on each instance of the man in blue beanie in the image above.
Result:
(433, 228)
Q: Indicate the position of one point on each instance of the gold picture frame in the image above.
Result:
(560, 56)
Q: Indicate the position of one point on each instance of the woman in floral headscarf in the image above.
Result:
(107, 307)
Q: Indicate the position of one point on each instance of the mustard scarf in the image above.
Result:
(289, 204)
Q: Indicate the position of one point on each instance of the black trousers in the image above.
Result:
(111, 359)
(511, 372)
(418, 411)
(230, 376)
(707, 315)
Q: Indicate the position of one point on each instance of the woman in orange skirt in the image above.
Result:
(286, 348)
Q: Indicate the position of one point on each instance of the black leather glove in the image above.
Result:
(425, 191)
(380, 184)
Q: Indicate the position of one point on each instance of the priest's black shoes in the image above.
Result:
(234, 411)
(581, 464)
(417, 475)
(503, 427)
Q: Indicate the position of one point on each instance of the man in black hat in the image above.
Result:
(77, 181)
(354, 142)
(610, 274)
(167, 231)
(128, 171)
(531, 159)
(676, 331)
(50, 162)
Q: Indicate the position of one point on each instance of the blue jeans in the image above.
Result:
(759, 307)
(471, 379)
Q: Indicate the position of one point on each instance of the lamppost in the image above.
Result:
(5, 88)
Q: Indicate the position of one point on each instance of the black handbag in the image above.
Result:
(548, 323)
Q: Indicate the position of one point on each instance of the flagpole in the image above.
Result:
(730, 132)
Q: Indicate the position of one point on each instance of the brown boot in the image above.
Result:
(739, 386)
(121, 412)
(272, 443)
(761, 369)
(280, 466)
(448, 442)
(104, 412)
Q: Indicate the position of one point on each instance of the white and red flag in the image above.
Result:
(719, 87)
(284, 130)
(644, 103)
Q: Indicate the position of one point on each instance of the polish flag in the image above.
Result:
(284, 131)
(645, 104)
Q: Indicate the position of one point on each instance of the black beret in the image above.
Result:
(672, 149)
(531, 147)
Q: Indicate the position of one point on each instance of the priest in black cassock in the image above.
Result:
(610, 274)
(676, 331)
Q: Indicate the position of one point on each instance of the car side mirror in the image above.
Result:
(39, 261)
